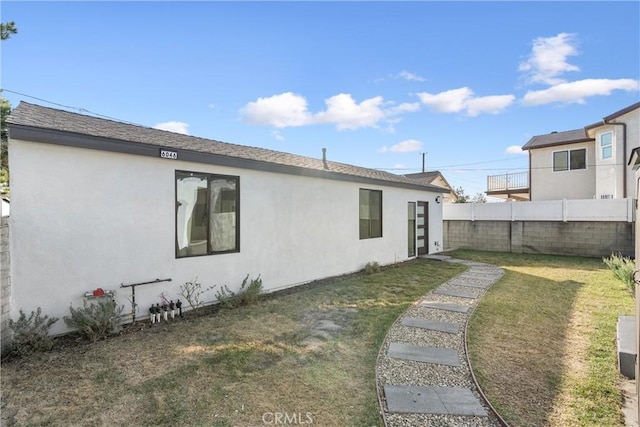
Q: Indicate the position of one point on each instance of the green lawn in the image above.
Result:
(231, 367)
(542, 341)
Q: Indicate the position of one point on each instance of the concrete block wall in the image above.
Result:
(582, 238)
(5, 283)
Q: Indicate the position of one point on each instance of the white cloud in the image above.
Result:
(489, 104)
(406, 146)
(173, 126)
(462, 99)
(409, 76)
(576, 92)
(286, 109)
(450, 101)
(277, 135)
(345, 113)
(548, 59)
(289, 109)
(405, 107)
(514, 149)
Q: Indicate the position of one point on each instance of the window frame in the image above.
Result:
(209, 177)
(371, 211)
(569, 154)
(610, 145)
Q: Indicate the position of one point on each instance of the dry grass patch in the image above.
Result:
(311, 351)
(542, 341)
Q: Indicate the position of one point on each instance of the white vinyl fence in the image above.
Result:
(612, 210)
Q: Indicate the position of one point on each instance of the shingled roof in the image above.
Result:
(557, 138)
(43, 120)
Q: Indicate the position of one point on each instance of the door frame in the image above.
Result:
(424, 249)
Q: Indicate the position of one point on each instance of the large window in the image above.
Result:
(606, 145)
(370, 214)
(207, 214)
(570, 160)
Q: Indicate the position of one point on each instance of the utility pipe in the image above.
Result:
(133, 293)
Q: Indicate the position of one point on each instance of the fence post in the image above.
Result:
(564, 210)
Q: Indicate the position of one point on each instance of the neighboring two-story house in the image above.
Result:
(587, 163)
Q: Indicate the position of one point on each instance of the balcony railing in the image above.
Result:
(508, 181)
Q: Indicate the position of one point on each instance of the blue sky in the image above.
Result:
(376, 83)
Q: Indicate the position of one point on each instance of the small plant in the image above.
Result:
(192, 291)
(31, 333)
(623, 268)
(372, 267)
(96, 321)
(246, 295)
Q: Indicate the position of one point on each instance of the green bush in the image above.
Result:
(246, 295)
(96, 321)
(623, 268)
(31, 334)
(372, 267)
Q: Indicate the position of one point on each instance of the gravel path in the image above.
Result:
(403, 372)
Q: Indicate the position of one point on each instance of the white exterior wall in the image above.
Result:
(572, 184)
(83, 219)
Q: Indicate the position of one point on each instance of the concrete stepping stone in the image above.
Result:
(445, 306)
(432, 400)
(453, 293)
(469, 284)
(417, 353)
(417, 322)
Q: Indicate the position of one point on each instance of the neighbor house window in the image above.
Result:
(370, 213)
(570, 160)
(207, 213)
(606, 145)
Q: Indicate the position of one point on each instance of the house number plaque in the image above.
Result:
(166, 154)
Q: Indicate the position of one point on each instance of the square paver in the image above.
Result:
(418, 353)
(445, 306)
(454, 293)
(432, 400)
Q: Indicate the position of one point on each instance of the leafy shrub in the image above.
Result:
(372, 267)
(623, 268)
(246, 295)
(192, 291)
(31, 334)
(96, 321)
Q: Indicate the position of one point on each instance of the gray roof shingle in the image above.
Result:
(557, 138)
(45, 118)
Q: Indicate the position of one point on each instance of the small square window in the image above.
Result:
(560, 161)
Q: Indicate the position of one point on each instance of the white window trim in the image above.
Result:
(612, 146)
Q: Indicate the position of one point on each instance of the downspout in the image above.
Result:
(624, 149)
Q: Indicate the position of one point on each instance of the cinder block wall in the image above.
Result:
(584, 238)
(5, 283)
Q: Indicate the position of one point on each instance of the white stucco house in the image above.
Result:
(97, 203)
(586, 163)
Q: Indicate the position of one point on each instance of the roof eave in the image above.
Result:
(78, 140)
